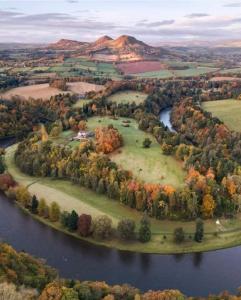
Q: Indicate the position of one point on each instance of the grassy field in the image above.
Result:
(228, 111)
(150, 164)
(192, 71)
(44, 91)
(82, 200)
(128, 97)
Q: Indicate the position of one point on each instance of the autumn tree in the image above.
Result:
(102, 227)
(23, 196)
(54, 212)
(208, 206)
(84, 225)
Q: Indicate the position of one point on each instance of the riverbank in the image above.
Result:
(71, 196)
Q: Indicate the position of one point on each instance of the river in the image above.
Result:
(194, 274)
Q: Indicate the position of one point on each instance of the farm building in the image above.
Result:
(84, 135)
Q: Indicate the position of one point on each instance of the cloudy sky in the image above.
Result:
(153, 21)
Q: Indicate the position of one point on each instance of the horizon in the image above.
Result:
(154, 22)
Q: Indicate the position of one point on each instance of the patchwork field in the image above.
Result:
(44, 91)
(150, 164)
(128, 97)
(228, 111)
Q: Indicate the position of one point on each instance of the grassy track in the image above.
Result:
(228, 111)
(73, 197)
(150, 164)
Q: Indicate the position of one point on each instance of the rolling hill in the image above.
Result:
(105, 48)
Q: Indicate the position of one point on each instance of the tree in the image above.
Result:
(23, 196)
(42, 207)
(199, 230)
(145, 230)
(54, 212)
(126, 229)
(179, 235)
(34, 205)
(2, 167)
(102, 227)
(84, 225)
(146, 143)
(64, 218)
(73, 221)
(208, 206)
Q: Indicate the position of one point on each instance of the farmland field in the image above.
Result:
(140, 67)
(44, 91)
(150, 164)
(128, 97)
(228, 111)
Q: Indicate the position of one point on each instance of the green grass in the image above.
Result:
(128, 97)
(150, 164)
(156, 74)
(194, 71)
(231, 71)
(81, 102)
(228, 111)
(82, 200)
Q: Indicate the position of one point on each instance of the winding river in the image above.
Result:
(194, 274)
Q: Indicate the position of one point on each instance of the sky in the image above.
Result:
(153, 21)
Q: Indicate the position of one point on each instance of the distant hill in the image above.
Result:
(123, 48)
(65, 44)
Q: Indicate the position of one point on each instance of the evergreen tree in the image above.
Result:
(199, 231)
(73, 221)
(34, 205)
(145, 230)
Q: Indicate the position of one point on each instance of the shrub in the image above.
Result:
(146, 143)
(179, 235)
(102, 227)
(126, 229)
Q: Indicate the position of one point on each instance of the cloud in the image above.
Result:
(234, 4)
(72, 1)
(155, 24)
(196, 15)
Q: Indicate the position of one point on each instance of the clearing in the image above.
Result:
(125, 97)
(150, 164)
(228, 111)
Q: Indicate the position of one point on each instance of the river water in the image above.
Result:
(194, 274)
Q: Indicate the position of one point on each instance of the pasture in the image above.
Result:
(150, 164)
(128, 97)
(228, 111)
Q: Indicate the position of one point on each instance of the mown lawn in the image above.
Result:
(228, 111)
(150, 164)
(128, 97)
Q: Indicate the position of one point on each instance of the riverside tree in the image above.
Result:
(145, 229)
(126, 229)
(199, 230)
